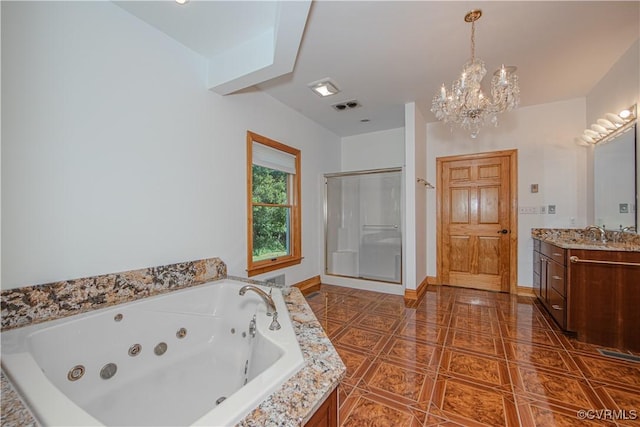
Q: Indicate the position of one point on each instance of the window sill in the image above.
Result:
(265, 267)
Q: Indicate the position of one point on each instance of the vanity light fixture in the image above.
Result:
(324, 87)
(625, 114)
(607, 128)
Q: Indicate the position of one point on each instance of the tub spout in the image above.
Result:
(271, 306)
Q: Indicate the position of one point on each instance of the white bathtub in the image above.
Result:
(212, 362)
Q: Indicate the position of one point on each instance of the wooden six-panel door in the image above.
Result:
(476, 220)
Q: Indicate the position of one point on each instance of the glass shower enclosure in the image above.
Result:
(363, 230)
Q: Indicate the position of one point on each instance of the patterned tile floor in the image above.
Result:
(471, 358)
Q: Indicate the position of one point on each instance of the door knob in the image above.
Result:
(503, 231)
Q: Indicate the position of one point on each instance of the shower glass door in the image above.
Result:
(363, 232)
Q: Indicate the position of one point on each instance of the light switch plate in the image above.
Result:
(624, 207)
(552, 209)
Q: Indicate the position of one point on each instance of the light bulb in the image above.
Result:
(624, 114)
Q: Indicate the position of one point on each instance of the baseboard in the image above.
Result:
(413, 295)
(309, 286)
(525, 291)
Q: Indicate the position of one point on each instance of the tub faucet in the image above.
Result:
(271, 306)
(600, 230)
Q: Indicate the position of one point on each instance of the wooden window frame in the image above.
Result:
(295, 228)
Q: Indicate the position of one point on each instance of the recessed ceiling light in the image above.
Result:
(324, 87)
(182, 1)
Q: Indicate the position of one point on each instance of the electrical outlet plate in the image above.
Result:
(624, 207)
(552, 209)
(527, 210)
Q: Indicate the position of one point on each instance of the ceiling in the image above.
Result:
(385, 54)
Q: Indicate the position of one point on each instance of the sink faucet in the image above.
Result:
(620, 235)
(600, 230)
(271, 306)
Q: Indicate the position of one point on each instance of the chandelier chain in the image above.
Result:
(473, 40)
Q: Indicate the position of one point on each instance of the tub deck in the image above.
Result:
(291, 405)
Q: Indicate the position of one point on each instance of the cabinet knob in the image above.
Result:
(556, 307)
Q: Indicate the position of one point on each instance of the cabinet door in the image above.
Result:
(327, 413)
(556, 277)
(604, 298)
(557, 307)
(544, 265)
(537, 261)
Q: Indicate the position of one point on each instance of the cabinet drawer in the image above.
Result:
(556, 277)
(557, 307)
(555, 253)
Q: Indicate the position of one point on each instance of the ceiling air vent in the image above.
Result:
(347, 105)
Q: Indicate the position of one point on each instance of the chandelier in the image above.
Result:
(465, 105)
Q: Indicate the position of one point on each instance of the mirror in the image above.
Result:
(615, 182)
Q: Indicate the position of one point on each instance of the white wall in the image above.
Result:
(421, 193)
(415, 237)
(374, 150)
(547, 156)
(116, 157)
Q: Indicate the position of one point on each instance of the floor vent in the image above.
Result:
(618, 355)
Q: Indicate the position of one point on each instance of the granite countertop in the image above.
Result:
(290, 406)
(569, 238)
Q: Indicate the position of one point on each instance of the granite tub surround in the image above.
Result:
(291, 405)
(297, 400)
(575, 238)
(13, 413)
(50, 301)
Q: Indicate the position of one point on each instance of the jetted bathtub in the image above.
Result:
(189, 357)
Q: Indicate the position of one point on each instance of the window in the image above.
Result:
(273, 205)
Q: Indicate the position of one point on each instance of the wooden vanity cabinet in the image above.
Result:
(605, 298)
(596, 296)
(327, 413)
(550, 278)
